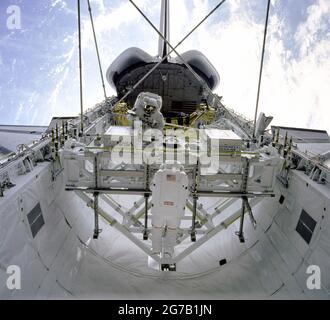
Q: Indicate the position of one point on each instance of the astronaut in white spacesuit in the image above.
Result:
(147, 108)
(169, 195)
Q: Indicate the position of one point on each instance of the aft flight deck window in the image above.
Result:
(306, 226)
(36, 220)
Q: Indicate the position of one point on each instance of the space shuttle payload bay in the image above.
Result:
(250, 223)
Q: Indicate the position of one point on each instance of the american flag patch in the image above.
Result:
(171, 177)
(168, 203)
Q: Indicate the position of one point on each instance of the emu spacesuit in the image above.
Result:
(169, 195)
(147, 108)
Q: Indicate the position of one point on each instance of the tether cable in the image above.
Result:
(97, 49)
(260, 72)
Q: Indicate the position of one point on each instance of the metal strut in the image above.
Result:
(240, 233)
(80, 70)
(96, 201)
(97, 49)
(195, 198)
(260, 72)
(146, 198)
(249, 210)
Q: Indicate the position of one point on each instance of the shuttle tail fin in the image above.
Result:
(163, 47)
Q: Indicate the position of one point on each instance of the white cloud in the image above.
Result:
(100, 6)
(296, 89)
(64, 97)
(317, 21)
(19, 113)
